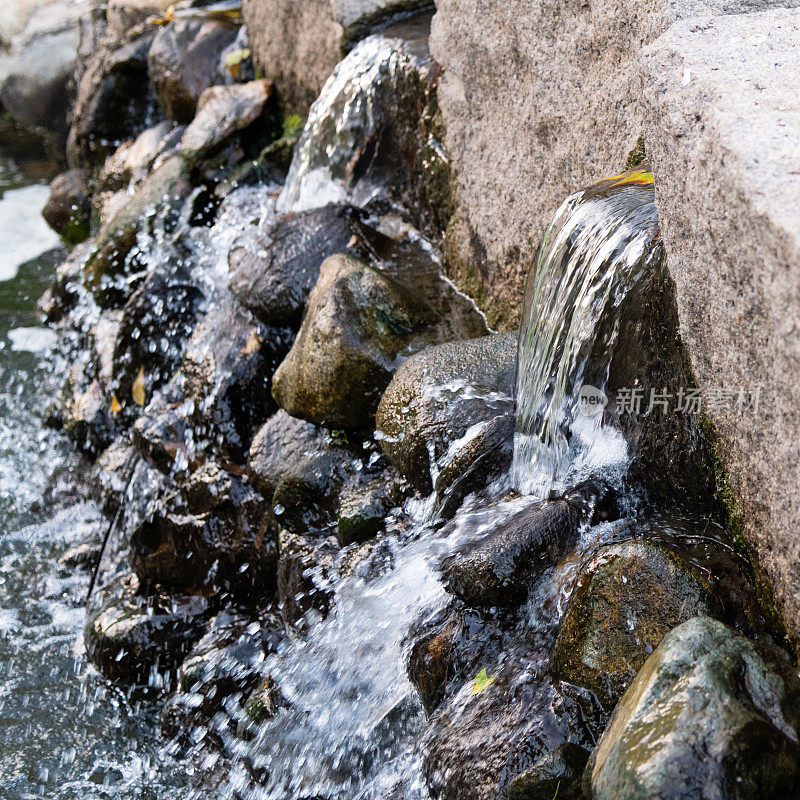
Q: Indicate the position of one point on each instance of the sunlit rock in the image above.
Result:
(710, 714)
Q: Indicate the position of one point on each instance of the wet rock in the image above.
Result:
(111, 473)
(215, 532)
(133, 160)
(125, 15)
(363, 509)
(155, 324)
(711, 714)
(497, 569)
(305, 564)
(264, 702)
(228, 367)
(164, 436)
(274, 271)
(156, 201)
(359, 322)
(68, 208)
(627, 599)
(184, 60)
(62, 296)
(86, 416)
(82, 556)
(223, 664)
(556, 774)
(430, 662)
(483, 455)
(300, 42)
(114, 101)
(307, 495)
(281, 442)
(35, 85)
(489, 732)
(129, 636)
(438, 395)
(223, 111)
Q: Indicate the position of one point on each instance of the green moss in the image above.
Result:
(637, 155)
(731, 517)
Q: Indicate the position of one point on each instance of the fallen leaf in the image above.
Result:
(137, 390)
(481, 682)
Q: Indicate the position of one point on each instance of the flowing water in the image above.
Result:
(601, 242)
(350, 720)
(65, 733)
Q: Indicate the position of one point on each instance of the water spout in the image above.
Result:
(601, 243)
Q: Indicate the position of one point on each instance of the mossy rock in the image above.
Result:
(625, 602)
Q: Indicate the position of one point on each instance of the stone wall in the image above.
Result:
(538, 100)
(721, 108)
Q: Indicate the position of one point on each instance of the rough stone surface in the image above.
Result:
(297, 43)
(627, 599)
(360, 322)
(538, 101)
(709, 715)
(223, 111)
(438, 395)
(184, 60)
(721, 111)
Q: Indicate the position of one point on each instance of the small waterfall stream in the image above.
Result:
(349, 721)
(601, 242)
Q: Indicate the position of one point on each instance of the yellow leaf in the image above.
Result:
(115, 405)
(481, 682)
(137, 390)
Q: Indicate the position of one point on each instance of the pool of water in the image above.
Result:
(64, 731)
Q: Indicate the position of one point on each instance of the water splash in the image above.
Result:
(600, 244)
(338, 157)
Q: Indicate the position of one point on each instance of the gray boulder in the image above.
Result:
(557, 774)
(359, 323)
(223, 111)
(711, 714)
(184, 60)
(438, 395)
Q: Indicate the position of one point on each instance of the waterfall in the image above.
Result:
(340, 156)
(600, 244)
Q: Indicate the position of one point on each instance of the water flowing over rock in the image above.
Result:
(710, 712)
(299, 42)
(437, 397)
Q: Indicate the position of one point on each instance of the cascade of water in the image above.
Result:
(338, 153)
(600, 243)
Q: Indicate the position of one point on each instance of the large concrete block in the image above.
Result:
(297, 43)
(721, 106)
(538, 100)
